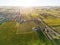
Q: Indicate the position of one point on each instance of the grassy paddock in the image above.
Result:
(8, 36)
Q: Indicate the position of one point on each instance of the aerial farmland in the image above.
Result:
(30, 26)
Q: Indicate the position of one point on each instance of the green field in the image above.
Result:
(8, 36)
(54, 23)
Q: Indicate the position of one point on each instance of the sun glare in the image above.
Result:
(25, 3)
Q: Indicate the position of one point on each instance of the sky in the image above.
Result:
(29, 3)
